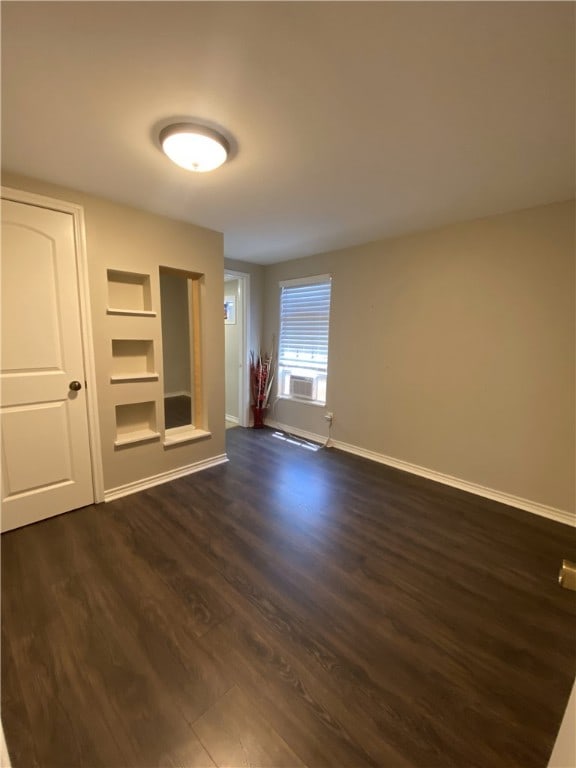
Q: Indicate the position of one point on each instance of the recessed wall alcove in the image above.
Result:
(129, 293)
(133, 360)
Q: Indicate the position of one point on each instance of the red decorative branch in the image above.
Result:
(261, 378)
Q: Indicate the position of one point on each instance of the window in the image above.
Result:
(303, 347)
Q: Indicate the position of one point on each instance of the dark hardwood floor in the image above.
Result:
(290, 608)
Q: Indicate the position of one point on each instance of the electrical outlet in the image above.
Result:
(329, 416)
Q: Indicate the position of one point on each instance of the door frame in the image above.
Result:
(77, 213)
(244, 380)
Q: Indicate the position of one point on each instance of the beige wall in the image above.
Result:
(124, 238)
(454, 350)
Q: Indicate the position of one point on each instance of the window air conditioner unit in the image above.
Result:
(303, 387)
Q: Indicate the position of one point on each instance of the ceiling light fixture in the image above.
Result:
(194, 147)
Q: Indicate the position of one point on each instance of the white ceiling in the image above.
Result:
(352, 121)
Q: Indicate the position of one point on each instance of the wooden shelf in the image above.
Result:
(136, 423)
(130, 312)
(139, 436)
(129, 292)
(133, 360)
(118, 378)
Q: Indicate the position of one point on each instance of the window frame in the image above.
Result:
(319, 371)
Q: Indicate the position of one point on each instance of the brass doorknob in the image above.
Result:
(75, 386)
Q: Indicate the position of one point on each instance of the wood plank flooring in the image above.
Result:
(290, 608)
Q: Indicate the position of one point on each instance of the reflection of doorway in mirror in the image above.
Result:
(179, 294)
(230, 310)
(232, 351)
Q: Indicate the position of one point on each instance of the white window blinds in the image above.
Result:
(304, 323)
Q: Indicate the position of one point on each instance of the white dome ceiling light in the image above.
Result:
(194, 147)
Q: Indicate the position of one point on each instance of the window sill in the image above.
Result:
(126, 377)
(187, 434)
(130, 312)
(315, 403)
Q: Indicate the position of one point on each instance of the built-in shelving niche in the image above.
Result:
(136, 423)
(132, 360)
(129, 294)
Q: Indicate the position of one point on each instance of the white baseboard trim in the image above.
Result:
(180, 393)
(163, 477)
(233, 419)
(552, 513)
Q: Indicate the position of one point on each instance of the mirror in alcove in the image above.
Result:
(180, 313)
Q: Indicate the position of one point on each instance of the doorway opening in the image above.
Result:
(236, 321)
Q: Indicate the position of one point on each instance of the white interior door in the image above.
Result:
(232, 352)
(236, 349)
(46, 466)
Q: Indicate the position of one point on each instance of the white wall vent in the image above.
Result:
(303, 387)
